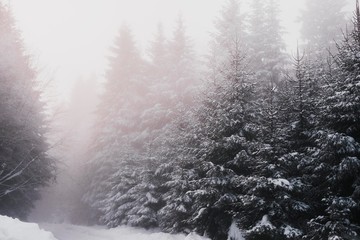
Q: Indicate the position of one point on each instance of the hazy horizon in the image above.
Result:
(70, 40)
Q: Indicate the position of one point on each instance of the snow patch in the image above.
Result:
(335, 238)
(291, 232)
(150, 198)
(235, 233)
(72, 232)
(265, 222)
(193, 236)
(281, 182)
(181, 208)
(14, 229)
(201, 211)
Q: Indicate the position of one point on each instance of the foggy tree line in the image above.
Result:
(25, 165)
(270, 146)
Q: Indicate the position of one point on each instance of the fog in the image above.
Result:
(70, 39)
(120, 93)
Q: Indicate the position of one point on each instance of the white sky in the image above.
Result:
(71, 38)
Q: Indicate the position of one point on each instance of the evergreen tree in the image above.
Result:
(257, 39)
(177, 172)
(182, 72)
(158, 55)
(276, 188)
(275, 58)
(267, 48)
(173, 99)
(277, 159)
(222, 135)
(227, 132)
(344, 104)
(322, 22)
(25, 165)
(229, 31)
(138, 129)
(338, 174)
(115, 166)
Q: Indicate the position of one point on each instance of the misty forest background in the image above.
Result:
(247, 139)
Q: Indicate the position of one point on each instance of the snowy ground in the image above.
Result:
(71, 232)
(13, 229)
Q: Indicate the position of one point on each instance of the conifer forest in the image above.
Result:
(243, 140)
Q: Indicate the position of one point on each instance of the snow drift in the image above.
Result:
(14, 229)
(73, 232)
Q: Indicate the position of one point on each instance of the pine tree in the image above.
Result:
(221, 142)
(338, 174)
(229, 30)
(267, 48)
(25, 165)
(227, 132)
(158, 55)
(226, 185)
(344, 103)
(115, 165)
(322, 22)
(141, 127)
(275, 58)
(178, 173)
(257, 39)
(276, 187)
(174, 97)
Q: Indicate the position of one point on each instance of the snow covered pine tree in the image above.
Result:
(339, 146)
(25, 165)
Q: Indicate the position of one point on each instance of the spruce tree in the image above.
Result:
(158, 55)
(142, 102)
(222, 140)
(257, 39)
(228, 133)
(343, 104)
(275, 208)
(174, 94)
(338, 174)
(275, 57)
(114, 164)
(169, 95)
(268, 58)
(25, 165)
(321, 25)
(229, 30)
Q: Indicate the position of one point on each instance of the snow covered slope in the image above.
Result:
(72, 232)
(14, 229)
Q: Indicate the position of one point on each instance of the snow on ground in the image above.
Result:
(72, 232)
(14, 229)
